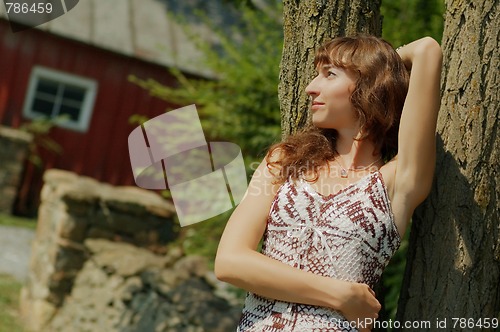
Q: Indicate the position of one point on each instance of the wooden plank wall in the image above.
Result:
(102, 151)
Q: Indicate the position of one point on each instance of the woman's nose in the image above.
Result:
(312, 87)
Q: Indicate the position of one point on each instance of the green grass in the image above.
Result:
(9, 304)
(8, 220)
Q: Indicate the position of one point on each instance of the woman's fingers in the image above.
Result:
(361, 307)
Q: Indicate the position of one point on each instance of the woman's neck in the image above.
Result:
(355, 153)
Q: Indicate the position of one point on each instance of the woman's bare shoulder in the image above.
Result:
(265, 177)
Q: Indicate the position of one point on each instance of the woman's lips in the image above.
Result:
(316, 105)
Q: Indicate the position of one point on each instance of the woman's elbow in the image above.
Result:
(430, 48)
(223, 267)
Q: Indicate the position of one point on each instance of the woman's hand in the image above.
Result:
(417, 48)
(358, 304)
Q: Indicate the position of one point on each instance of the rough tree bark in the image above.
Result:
(306, 25)
(453, 264)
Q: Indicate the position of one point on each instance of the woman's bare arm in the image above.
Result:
(417, 131)
(239, 263)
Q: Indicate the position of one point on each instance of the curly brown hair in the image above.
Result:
(378, 98)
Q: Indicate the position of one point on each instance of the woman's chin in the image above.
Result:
(318, 123)
(328, 123)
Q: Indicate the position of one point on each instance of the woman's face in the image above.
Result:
(330, 93)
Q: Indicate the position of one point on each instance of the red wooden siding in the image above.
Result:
(102, 151)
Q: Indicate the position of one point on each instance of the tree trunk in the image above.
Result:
(453, 264)
(306, 25)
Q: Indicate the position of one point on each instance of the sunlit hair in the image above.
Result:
(377, 98)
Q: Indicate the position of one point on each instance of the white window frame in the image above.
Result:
(87, 108)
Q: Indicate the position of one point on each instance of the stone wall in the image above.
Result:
(101, 262)
(14, 148)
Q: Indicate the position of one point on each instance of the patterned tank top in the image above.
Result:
(349, 235)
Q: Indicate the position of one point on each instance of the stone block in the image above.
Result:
(14, 152)
(71, 227)
(100, 233)
(48, 215)
(35, 313)
(100, 262)
(122, 258)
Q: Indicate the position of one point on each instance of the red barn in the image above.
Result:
(77, 66)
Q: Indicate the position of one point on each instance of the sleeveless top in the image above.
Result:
(349, 235)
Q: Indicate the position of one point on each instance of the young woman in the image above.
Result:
(331, 211)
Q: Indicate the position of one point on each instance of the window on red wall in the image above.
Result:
(66, 98)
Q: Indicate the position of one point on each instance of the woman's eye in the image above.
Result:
(331, 73)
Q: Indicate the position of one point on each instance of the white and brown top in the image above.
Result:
(349, 235)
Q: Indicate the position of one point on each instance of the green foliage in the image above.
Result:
(203, 238)
(40, 129)
(392, 277)
(241, 3)
(408, 20)
(240, 104)
(137, 119)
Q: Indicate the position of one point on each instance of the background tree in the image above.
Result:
(453, 267)
(306, 25)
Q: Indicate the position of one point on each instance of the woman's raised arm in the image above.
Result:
(417, 131)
